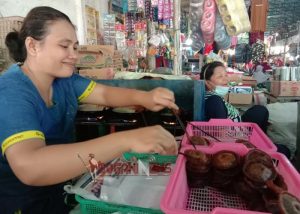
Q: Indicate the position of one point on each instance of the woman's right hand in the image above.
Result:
(152, 139)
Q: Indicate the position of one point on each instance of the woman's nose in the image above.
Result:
(73, 54)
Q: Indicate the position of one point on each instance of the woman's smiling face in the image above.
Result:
(57, 52)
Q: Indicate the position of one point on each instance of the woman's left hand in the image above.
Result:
(158, 99)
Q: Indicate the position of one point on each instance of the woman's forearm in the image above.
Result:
(46, 165)
(36, 164)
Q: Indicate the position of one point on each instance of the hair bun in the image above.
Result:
(15, 46)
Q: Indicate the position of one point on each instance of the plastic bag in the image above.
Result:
(283, 128)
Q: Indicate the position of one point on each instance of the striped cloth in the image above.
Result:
(232, 112)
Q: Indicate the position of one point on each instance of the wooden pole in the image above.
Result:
(177, 63)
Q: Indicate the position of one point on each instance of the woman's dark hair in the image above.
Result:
(208, 70)
(35, 25)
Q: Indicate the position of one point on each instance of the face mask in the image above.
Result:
(221, 90)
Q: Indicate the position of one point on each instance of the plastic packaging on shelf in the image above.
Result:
(132, 5)
(109, 29)
(234, 15)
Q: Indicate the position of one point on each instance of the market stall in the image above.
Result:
(221, 166)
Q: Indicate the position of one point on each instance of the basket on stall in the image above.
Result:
(227, 131)
(178, 198)
(156, 158)
(94, 207)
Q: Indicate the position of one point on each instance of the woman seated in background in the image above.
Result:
(216, 84)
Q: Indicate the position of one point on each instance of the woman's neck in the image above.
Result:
(41, 81)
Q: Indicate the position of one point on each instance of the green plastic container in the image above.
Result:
(153, 158)
(96, 207)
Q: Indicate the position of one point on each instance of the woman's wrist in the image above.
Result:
(124, 140)
(140, 98)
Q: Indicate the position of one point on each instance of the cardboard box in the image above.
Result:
(240, 78)
(285, 88)
(249, 81)
(234, 77)
(95, 56)
(243, 99)
(104, 73)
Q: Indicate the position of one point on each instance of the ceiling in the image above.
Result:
(282, 16)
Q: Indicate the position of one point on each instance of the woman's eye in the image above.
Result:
(64, 46)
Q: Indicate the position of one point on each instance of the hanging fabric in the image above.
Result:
(221, 36)
(196, 11)
(208, 21)
(254, 36)
(259, 11)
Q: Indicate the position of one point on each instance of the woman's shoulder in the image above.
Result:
(213, 97)
(14, 83)
(12, 77)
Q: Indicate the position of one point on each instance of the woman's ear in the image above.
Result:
(31, 46)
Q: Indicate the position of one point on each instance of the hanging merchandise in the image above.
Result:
(109, 29)
(154, 3)
(120, 37)
(154, 14)
(243, 38)
(132, 5)
(147, 9)
(140, 5)
(130, 55)
(151, 10)
(212, 57)
(129, 20)
(171, 2)
(120, 6)
(221, 37)
(141, 38)
(257, 51)
(242, 53)
(161, 47)
(155, 40)
(184, 23)
(254, 36)
(196, 12)
(164, 58)
(208, 21)
(259, 12)
(234, 15)
(130, 32)
(165, 11)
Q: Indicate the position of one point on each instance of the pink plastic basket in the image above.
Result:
(227, 131)
(179, 198)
